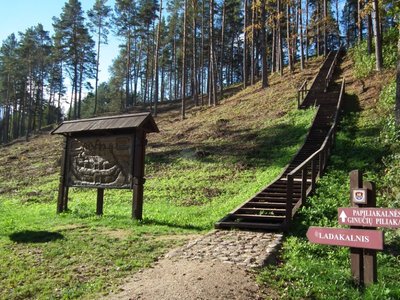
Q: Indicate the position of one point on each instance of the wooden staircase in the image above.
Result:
(275, 205)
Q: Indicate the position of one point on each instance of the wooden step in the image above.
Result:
(258, 217)
(260, 211)
(265, 204)
(248, 225)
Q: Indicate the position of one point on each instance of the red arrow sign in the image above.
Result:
(356, 238)
(369, 217)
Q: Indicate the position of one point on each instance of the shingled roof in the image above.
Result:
(144, 121)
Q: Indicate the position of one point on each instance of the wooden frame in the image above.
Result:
(126, 164)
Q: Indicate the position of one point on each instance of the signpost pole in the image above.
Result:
(370, 258)
(100, 201)
(363, 261)
(356, 254)
(63, 189)
(138, 176)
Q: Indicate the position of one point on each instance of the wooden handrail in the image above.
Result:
(328, 77)
(313, 81)
(301, 93)
(319, 157)
(301, 166)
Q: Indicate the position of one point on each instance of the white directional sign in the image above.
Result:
(369, 217)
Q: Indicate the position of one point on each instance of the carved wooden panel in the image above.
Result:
(101, 161)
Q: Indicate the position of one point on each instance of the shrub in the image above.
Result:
(364, 64)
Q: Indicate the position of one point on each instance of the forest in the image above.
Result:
(181, 50)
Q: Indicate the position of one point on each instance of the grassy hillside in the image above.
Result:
(197, 171)
(368, 141)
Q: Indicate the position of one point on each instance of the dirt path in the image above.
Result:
(185, 279)
(219, 265)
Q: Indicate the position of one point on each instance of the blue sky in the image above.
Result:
(17, 15)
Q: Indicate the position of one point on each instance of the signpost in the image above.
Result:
(362, 237)
(369, 217)
(359, 238)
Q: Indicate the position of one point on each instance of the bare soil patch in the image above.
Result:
(184, 279)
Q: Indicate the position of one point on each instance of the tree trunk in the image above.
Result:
(253, 41)
(369, 37)
(300, 14)
(378, 44)
(221, 78)
(279, 33)
(128, 69)
(337, 21)
(245, 71)
(138, 67)
(194, 72)
(183, 91)
(307, 41)
(97, 69)
(273, 46)
(264, 70)
(156, 61)
(359, 22)
(288, 38)
(162, 95)
(201, 82)
(213, 71)
(295, 34)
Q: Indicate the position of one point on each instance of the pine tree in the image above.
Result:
(125, 22)
(75, 42)
(99, 22)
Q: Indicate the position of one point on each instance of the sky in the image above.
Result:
(18, 15)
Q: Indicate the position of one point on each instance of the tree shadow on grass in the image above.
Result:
(148, 221)
(28, 236)
(256, 147)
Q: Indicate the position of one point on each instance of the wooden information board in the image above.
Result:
(107, 152)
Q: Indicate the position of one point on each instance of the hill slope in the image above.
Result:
(197, 170)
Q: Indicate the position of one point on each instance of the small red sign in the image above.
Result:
(369, 217)
(356, 238)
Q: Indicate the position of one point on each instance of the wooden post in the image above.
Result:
(356, 254)
(304, 185)
(370, 258)
(100, 201)
(65, 200)
(138, 174)
(63, 189)
(313, 173)
(298, 99)
(289, 201)
(321, 163)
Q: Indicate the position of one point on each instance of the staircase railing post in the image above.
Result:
(298, 99)
(304, 185)
(289, 200)
(313, 173)
(321, 163)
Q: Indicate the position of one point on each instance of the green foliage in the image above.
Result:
(364, 64)
(390, 137)
(310, 271)
(389, 49)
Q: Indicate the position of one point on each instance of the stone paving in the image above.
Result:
(243, 248)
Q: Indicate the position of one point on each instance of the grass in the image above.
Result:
(197, 170)
(309, 271)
